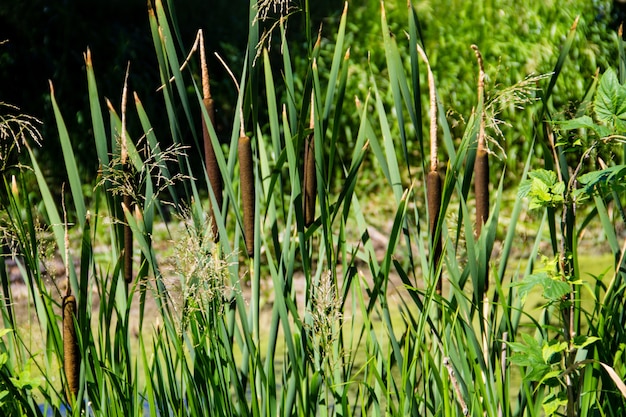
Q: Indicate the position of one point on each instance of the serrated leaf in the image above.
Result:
(550, 349)
(545, 176)
(593, 179)
(553, 402)
(582, 341)
(551, 378)
(543, 189)
(583, 122)
(610, 101)
(553, 289)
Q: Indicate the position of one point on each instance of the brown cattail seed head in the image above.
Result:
(246, 175)
(71, 363)
(310, 181)
(433, 189)
(213, 170)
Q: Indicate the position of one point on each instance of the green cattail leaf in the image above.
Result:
(70, 162)
(97, 121)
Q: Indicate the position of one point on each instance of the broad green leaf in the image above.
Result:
(601, 177)
(553, 402)
(610, 102)
(543, 189)
(553, 288)
(549, 350)
(582, 341)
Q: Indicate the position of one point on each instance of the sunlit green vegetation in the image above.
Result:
(415, 210)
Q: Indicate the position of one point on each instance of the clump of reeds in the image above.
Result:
(433, 181)
(246, 176)
(310, 177)
(212, 168)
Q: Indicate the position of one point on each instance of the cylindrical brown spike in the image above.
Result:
(71, 352)
(481, 189)
(310, 181)
(213, 170)
(246, 176)
(128, 245)
(433, 190)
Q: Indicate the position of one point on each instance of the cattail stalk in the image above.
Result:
(71, 351)
(481, 166)
(246, 175)
(433, 181)
(310, 177)
(126, 199)
(481, 184)
(212, 168)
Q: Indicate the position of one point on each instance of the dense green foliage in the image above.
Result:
(394, 302)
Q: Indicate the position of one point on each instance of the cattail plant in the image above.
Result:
(71, 352)
(213, 170)
(433, 181)
(481, 181)
(126, 199)
(246, 175)
(310, 178)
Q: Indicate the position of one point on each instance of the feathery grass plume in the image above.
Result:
(127, 200)
(433, 181)
(246, 176)
(326, 314)
(213, 170)
(15, 131)
(310, 178)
